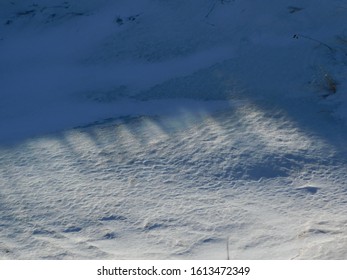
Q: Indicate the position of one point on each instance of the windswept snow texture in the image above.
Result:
(152, 129)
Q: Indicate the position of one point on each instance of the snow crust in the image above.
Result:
(155, 129)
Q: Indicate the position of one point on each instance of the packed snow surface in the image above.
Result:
(155, 129)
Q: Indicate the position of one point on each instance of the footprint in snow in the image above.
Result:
(113, 218)
(42, 232)
(72, 229)
(110, 235)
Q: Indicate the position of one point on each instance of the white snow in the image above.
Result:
(154, 129)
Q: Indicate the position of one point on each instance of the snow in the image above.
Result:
(155, 130)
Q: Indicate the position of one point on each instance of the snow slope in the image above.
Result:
(152, 129)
